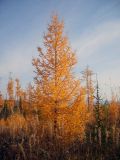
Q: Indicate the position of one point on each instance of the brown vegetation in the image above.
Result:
(57, 118)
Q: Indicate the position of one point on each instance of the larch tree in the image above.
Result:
(57, 86)
(29, 100)
(87, 77)
(113, 119)
(19, 92)
(30, 93)
(10, 88)
(18, 88)
(1, 101)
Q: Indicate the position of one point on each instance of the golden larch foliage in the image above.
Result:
(56, 87)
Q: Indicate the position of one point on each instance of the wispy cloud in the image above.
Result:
(104, 37)
(109, 81)
(89, 43)
(18, 62)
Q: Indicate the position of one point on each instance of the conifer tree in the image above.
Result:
(5, 113)
(1, 100)
(98, 113)
(10, 88)
(18, 89)
(30, 93)
(87, 77)
(53, 71)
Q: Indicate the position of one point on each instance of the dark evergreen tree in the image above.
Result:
(5, 112)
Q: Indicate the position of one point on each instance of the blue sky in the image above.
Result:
(92, 26)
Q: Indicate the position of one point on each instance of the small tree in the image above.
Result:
(87, 77)
(5, 112)
(18, 89)
(10, 88)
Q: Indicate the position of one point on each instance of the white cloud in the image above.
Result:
(100, 36)
(90, 44)
(19, 63)
(17, 60)
(109, 81)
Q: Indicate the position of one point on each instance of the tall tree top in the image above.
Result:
(53, 67)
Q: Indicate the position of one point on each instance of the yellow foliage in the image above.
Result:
(14, 124)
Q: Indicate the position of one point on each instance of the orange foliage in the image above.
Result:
(56, 87)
